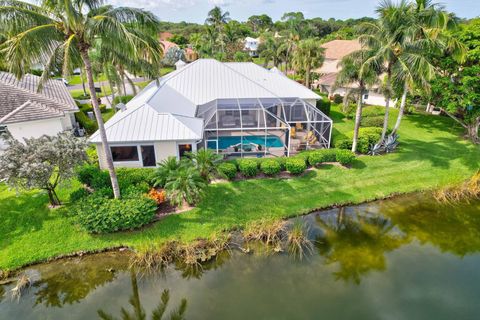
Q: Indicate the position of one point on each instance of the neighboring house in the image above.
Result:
(235, 109)
(165, 35)
(190, 54)
(334, 52)
(251, 46)
(29, 113)
(166, 45)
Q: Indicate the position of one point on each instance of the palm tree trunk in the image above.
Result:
(130, 81)
(307, 78)
(101, 126)
(82, 77)
(387, 109)
(358, 119)
(402, 108)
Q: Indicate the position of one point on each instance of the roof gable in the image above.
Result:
(337, 49)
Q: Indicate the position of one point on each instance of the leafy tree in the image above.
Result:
(354, 72)
(308, 56)
(63, 33)
(260, 22)
(241, 56)
(456, 89)
(295, 22)
(42, 163)
(206, 161)
(179, 39)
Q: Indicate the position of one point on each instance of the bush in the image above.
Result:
(337, 98)
(135, 176)
(345, 157)
(85, 122)
(319, 156)
(248, 167)
(366, 137)
(295, 165)
(122, 99)
(92, 154)
(79, 194)
(158, 195)
(281, 161)
(101, 215)
(376, 121)
(270, 167)
(324, 105)
(228, 169)
(92, 176)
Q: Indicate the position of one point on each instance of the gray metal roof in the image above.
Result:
(21, 101)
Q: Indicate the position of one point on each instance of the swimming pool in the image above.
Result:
(225, 142)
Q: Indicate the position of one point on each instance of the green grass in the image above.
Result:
(79, 95)
(431, 154)
(76, 79)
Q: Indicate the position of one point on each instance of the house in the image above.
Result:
(334, 52)
(190, 54)
(251, 46)
(165, 35)
(28, 113)
(235, 109)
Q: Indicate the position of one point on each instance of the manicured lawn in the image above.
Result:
(78, 93)
(76, 79)
(432, 154)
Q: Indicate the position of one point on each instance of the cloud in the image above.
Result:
(155, 4)
(222, 3)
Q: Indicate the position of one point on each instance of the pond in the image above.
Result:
(404, 258)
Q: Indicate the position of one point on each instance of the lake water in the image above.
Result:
(405, 258)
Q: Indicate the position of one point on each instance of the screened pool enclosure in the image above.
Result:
(263, 126)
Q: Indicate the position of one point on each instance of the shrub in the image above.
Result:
(366, 137)
(270, 167)
(281, 161)
(337, 98)
(79, 194)
(344, 157)
(248, 167)
(122, 99)
(135, 176)
(92, 176)
(92, 154)
(324, 105)
(296, 165)
(228, 169)
(158, 195)
(319, 156)
(101, 215)
(373, 111)
(88, 124)
(376, 121)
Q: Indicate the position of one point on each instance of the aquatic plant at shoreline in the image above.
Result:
(298, 243)
(469, 189)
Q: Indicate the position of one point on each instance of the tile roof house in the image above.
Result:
(27, 112)
(235, 109)
(334, 52)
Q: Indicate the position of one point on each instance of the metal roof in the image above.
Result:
(144, 123)
(278, 84)
(21, 101)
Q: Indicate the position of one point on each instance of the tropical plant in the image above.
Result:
(354, 72)
(206, 161)
(165, 170)
(41, 163)
(270, 51)
(308, 56)
(217, 17)
(185, 186)
(62, 35)
(391, 143)
(375, 149)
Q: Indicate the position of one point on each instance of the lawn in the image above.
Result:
(76, 79)
(78, 94)
(432, 154)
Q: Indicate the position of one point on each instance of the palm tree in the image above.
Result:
(165, 170)
(217, 18)
(308, 56)
(206, 162)
(426, 35)
(271, 50)
(185, 186)
(353, 72)
(64, 33)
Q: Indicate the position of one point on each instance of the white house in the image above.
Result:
(29, 113)
(334, 52)
(235, 109)
(251, 46)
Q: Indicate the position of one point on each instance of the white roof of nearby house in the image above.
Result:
(20, 100)
(166, 109)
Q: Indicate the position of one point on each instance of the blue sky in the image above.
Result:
(196, 10)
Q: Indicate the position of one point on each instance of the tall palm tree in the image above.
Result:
(308, 56)
(217, 18)
(271, 51)
(354, 73)
(63, 33)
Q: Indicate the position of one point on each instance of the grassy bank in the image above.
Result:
(431, 154)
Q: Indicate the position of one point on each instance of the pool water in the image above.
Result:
(225, 142)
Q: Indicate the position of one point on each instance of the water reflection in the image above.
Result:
(196, 271)
(357, 241)
(138, 312)
(75, 278)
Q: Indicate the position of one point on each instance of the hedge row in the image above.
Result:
(294, 165)
(366, 137)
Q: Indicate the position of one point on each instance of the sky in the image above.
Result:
(196, 10)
